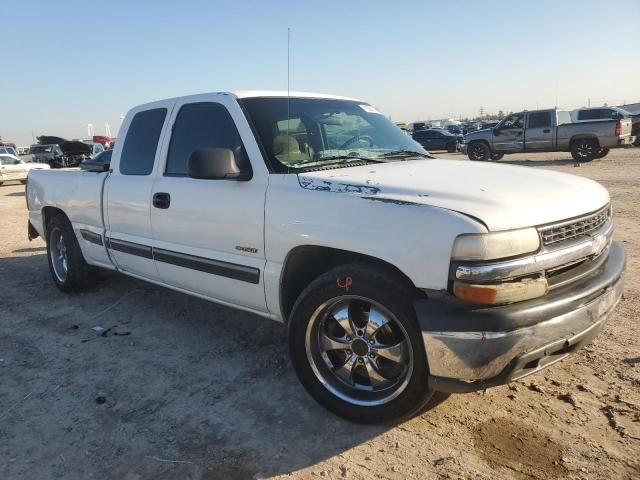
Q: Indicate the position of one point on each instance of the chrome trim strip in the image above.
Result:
(539, 262)
(91, 237)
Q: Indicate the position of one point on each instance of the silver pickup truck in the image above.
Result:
(548, 131)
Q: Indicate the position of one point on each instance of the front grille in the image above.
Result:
(573, 229)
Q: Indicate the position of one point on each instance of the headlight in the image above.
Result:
(494, 245)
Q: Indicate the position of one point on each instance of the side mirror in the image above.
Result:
(214, 164)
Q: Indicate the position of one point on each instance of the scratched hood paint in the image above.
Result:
(503, 197)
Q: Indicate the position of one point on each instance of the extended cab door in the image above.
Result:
(127, 193)
(508, 135)
(209, 234)
(539, 131)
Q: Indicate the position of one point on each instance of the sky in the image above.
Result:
(69, 63)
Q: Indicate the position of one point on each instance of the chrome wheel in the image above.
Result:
(359, 350)
(585, 150)
(477, 152)
(59, 255)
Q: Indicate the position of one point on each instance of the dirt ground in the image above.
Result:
(176, 387)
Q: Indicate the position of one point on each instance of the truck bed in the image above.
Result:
(78, 193)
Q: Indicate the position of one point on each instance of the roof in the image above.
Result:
(283, 93)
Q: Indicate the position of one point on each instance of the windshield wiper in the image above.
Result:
(338, 160)
(406, 154)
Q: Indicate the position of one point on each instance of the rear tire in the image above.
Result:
(68, 268)
(478, 151)
(584, 150)
(451, 148)
(603, 153)
(356, 347)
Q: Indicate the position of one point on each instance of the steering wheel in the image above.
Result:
(359, 138)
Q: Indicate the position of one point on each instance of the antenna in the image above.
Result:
(288, 82)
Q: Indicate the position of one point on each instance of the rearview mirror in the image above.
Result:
(214, 164)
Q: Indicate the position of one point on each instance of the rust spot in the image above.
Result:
(348, 281)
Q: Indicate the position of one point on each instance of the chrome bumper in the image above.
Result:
(470, 348)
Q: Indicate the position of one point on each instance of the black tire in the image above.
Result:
(496, 156)
(478, 151)
(603, 153)
(391, 295)
(452, 147)
(72, 274)
(584, 150)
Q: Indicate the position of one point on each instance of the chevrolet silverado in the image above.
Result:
(548, 131)
(398, 274)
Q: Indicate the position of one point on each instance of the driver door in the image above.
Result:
(508, 136)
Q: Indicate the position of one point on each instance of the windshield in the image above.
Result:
(314, 132)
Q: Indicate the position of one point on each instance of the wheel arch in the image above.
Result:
(304, 263)
(47, 214)
(583, 136)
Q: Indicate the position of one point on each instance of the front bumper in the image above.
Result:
(472, 348)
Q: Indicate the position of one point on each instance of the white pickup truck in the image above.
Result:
(397, 274)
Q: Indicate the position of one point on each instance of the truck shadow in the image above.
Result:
(538, 163)
(152, 375)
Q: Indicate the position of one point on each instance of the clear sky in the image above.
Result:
(69, 63)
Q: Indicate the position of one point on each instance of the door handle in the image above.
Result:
(161, 200)
(546, 130)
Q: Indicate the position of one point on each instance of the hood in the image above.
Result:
(503, 197)
(75, 148)
(482, 133)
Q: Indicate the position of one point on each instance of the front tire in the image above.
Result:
(603, 153)
(68, 268)
(478, 151)
(496, 156)
(356, 346)
(584, 150)
(452, 148)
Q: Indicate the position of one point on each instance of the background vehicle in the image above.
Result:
(436, 139)
(14, 169)
(377, 320)
(635, 128)
(49, 154)
(548, 131)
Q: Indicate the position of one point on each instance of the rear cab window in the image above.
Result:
(140, 145)
(539, 119)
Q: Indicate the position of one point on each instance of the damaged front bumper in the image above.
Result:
(472, 348)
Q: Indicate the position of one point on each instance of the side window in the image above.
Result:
(539, 119)
(199, 126)
(141, 142)
(514, 121)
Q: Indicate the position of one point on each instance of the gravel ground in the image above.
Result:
(176, 387)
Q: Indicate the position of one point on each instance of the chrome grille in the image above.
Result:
(572, 229)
